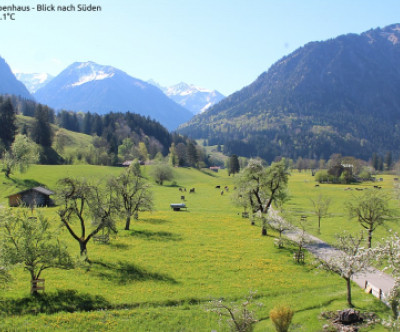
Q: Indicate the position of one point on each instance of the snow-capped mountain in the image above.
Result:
(87, 86)
(34, 81)
(193, 98)
(9, 83)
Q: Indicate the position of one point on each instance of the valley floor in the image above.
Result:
(162, 274)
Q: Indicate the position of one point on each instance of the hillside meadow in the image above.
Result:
(161, 275)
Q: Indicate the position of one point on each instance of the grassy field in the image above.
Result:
(303, 188)
(160, 275)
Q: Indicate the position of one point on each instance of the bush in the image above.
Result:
(239, 317)
(365, 175)
(322, 176)
(161, 173)
(281, 316)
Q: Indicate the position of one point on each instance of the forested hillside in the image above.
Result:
(108, 139)
(335, 96)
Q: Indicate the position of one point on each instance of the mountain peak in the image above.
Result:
(391, 33)
(85, 72)
(34, 81)
(88, 86)
(334, 96)
(190, 96)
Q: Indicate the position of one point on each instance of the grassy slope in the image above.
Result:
(73, 140)
(184, 257)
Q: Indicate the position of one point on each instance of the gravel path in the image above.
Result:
(379, 282)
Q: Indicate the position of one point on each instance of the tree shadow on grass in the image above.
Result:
(121, 246)
(49, 303)
(208, 173)
(123, 273)
(154, 221)
(26, 183)
(155, 236)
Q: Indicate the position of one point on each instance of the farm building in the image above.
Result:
(37, 196)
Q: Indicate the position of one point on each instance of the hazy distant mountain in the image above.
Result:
(9, 83)
(337, 96)
(87, 86)
(192, 97)
(34, 81)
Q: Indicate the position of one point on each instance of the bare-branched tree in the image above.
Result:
(240, 317)
(132, 192)
(91, 207)
(321, 207)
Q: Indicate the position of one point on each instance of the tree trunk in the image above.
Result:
(369, 238)
(34, 292)
(82, 245)
(319, 225)
(128, 223)
(394, 303)
(264, 226)
(348, 283)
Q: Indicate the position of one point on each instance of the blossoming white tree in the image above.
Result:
(351, 258)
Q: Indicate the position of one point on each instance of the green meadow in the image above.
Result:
(161, 275)
(302, 189)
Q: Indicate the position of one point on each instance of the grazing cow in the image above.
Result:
(226, 188)
(192, 190)
(182, 198)
(217, 187)
(317, 185)
(222, 192)
(180, 189)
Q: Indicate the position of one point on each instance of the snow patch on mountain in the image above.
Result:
(100, 89)
(34, 81)
(94, 76)
(194, 98)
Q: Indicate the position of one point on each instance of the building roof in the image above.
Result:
(39, 189)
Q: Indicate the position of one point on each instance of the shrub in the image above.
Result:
(365, 175)
(322, 176)
(239, 317)
(281, 316)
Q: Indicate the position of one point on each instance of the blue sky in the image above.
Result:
(216, 44)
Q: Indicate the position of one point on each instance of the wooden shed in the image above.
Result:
(37, 196)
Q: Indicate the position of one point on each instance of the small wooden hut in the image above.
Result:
(37, 196)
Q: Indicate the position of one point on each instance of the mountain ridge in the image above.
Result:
(194, 98)
(34, 81)
(87, 86)
(334, 96)
(9, 83)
